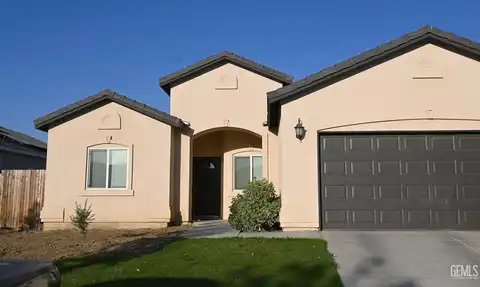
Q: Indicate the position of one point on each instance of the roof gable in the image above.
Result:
(200, 67)
(74, 110)
(367, 60)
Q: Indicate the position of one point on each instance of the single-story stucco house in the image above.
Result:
(19, 151)
(389, 139)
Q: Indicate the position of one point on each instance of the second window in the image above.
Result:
(246, 168)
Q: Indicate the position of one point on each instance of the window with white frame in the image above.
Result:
(246, 169)
(107, 168)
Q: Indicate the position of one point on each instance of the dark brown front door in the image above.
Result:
(206, 194)
(400, 181)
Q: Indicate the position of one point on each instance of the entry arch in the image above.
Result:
(213, 170)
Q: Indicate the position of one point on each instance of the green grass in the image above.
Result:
(210, 263)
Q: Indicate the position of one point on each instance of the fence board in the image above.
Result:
(21, 197)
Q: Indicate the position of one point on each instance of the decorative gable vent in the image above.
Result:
(227, 82)
(427, 69)
(111, 121)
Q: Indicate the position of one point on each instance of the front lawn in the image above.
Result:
(210, 263)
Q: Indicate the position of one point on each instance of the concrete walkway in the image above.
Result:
(210, 229)
(221, 229)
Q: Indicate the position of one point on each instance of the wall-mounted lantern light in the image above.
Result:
(300, 130)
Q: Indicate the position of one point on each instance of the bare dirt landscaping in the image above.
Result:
(60, 244)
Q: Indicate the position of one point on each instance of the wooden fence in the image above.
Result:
(21, 197)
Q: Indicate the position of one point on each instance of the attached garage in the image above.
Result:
(391, 138)
(400, 181)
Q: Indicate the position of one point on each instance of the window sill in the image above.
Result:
(108, 192)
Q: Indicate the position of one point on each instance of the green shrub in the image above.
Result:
(82, 217)
(256, 209)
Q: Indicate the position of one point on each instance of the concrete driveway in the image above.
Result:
(405, 258)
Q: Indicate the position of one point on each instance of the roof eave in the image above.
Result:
(166, 82)
(426, 34)
(423, 34)
(50, 120)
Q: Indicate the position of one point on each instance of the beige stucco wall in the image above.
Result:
(146, 200)
(225, 97)
(385, 97)
(207, 102)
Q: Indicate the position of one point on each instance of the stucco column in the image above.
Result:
(299, 180)
(271, 158)
(185, 177)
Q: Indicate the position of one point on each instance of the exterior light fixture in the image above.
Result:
(300, 130)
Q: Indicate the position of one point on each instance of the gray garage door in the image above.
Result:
(400, 181)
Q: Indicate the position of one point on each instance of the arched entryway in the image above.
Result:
(212, 169)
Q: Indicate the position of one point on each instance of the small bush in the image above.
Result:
(82, 217)
(256, 209)
(32, 221)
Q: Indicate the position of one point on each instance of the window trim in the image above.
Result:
(250, 156)
(106, 188)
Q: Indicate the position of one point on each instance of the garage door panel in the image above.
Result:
(389, 167)
(414, 143)
(334, 144)
(361, 168)
(334, 168)
(446, 218)
(335, 192)
(469, 143)
(470, 218)
(390, 218)
(400, 181)
(363, 192)
(361, 144)
(336, 217)
(420, 218)
(442, 143)
(365, 216)
(418, 168)
(469, 167)
(386, 192)
(387, 144)
(444, 167)
(416, 192)
(444, 192)
(470, 192)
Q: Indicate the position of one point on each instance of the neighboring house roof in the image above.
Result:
(71, 111)
(22, 138)
(366, 60)
(219, 59)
